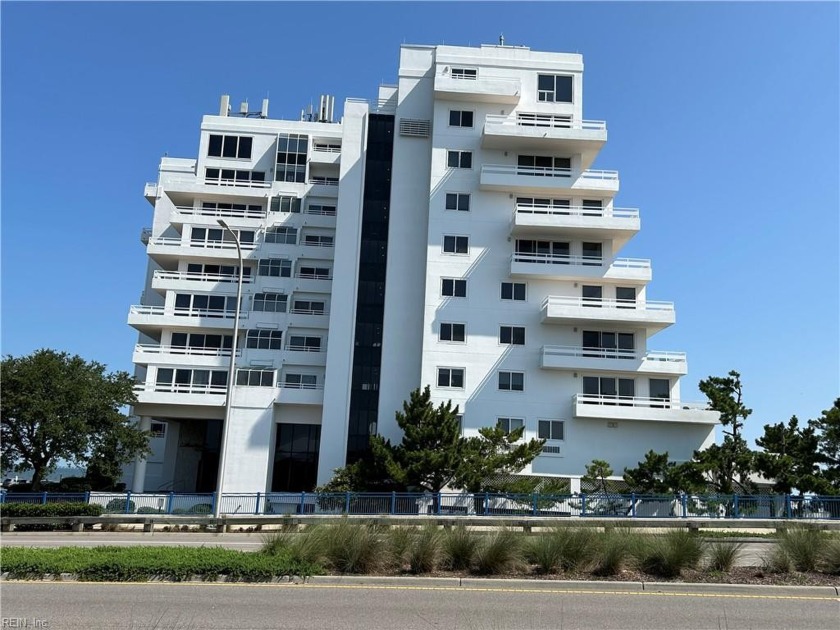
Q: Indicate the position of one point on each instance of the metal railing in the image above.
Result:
(171, 241)
(181, 388)
(584, 261)
(608, 303)
(547, 171)
(242, 183)
(638, 401)
(613, 353)
(578, 211)
(161, 274)
(142, 309)
(181, 350)
(216, 212)
(584, 505)
(533, 119)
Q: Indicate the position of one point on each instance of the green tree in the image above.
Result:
(489, 459)
(657, 475)
(60, 407)
(597, 472)
(790, 457)
(828, 429)
(730, 463)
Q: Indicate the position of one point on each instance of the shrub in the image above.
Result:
(117, 506)
(722, 556)
(499, 552)
(352, 548)
(830, 557)
(545, 551)
(145, 509)
(777, 561)
(612, 553)
(802, 546)
(425, 550)
(397, 543)
(200, 508)
(666, 555)
(459, 548)
(50, 509)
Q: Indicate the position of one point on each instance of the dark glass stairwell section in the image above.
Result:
(370, 302)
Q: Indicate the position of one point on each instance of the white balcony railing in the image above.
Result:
(546, 171)
(161, 274)
(142, 309)
(580, 211)
(530, 119)
(301, 386)
(181, 388)
(614, 353)
(215, 212)
(647, 305)
(313, 276)
(638, 401)
(239, 183)
(171, 241)
(308, 311)
(325, 148)
(155, 349)
(295, 348)
(585, 261)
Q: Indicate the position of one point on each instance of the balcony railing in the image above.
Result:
(142, 309)
(295, 348)
(240, 183)
(647, 305)
(145, 235)
(301, 386)
(161, 274)
(170, 241)
(614, 353)
(181, 388)
(616, 213)
(638, 401)
(324, 181)
(198, 352)
(586, 261)
(546, 171)
(215, 212)
(309, 311)
(530, 119)
(326, 148)
(313, 276)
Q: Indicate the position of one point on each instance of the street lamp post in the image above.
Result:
(217, 509)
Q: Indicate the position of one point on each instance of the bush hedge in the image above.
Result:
(50, 509)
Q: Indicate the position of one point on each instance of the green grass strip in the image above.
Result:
(139, 564)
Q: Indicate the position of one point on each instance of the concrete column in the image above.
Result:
(137, 484)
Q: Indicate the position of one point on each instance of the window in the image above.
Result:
(450, 377)
(232, 209)
(660, 388)
(190, 381)
(592, 254)
(459, 159)
(553, 88)
(542, 205)
(513, 335)
(300, 381)
(309, 307)
(232, 177)
(456, 244)
(509, 425)
(544, 166)
(511, 381)
(544, 252)
(275, 268)
(319, 208)
(592, 207)
(201, 341)
(608, 344)
(255, 378)
(318, 240)
(270, 302)
(550, 429)
(189, 305)
(626, 297)
(458, 201)
(264, 340)
(453, 287)
(285, 235)
(460, 118)
(453, 332)
(317, 273)
(209, 237)
(291, 158)
(513, 291)
(609, 387)
(225, 273)
(158, 429)
(285, 204)
(230, 146)
(592, 295)
(304, 343)
(464, 73)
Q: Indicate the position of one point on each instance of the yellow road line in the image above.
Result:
(443, 588)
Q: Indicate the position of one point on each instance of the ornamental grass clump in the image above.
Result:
(802, 546)
(424, 551)
(666, 555)
(397, 543)
(459, 548)
(352, 548)
(562, 548)
(721, 556)
(830, 557)
(612, 552)
(499, 552)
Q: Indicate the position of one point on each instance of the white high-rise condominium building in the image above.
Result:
(453, 234)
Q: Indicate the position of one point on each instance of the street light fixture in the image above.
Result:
(217, 504)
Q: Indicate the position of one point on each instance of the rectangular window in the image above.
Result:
(592, 207)
(511, 381)
(626, 297)
(284, 235)
(554, 88)
(460, 118)
(465, 73)
(450, 377)
(210, 237)
(190, 381)
(610, 387)
(550, 429)
(255, 378)
(509, 425)
(190, 305)
(592, 254)
(456, 244)
(304, 343)
(318, 240)
(453, 287)
(291, 158)
(543, 252)
(610, 345)
(201, 340)
(270, 302)
(544, 166)
(264, 339)
(320, 209)
(230, 146)
(275, 268)
(542, 205)
(214, 208)
(458, 201)
(158, 429)
(285, 204)
(592, 295)
(453, 332)
(513, 335)
(513, 291)
(309, 307)
(315, 273)
(232, 177)
(300, 381)
(459, 159)
(660, 388)
(225, 273)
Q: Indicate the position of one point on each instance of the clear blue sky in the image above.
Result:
(722, 117)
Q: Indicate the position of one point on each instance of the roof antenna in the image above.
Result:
(502, 39)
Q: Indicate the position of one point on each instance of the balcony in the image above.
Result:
(300, 394)
(195, 185)
(646, 409)
(654, 316)
(305, 355)
(168, 249)
(150, 318)
(175, 394)
(477, 88)
(633, 270)
(552, 133)
(325, 153)
(151, 192)
(323, 186)
(541, 220)
(145, 235)
(612, 360)
(163, 280)
(210, 216)
(145, 354)
(545, 181)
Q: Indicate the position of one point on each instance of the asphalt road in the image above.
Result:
(345, 607)
(752, 553)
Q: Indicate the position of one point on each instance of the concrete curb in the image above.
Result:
(394, 581)
(550, 585)
(741, 589)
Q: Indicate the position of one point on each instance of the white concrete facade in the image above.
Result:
(504, 289)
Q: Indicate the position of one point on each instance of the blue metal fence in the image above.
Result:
(780, 506)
